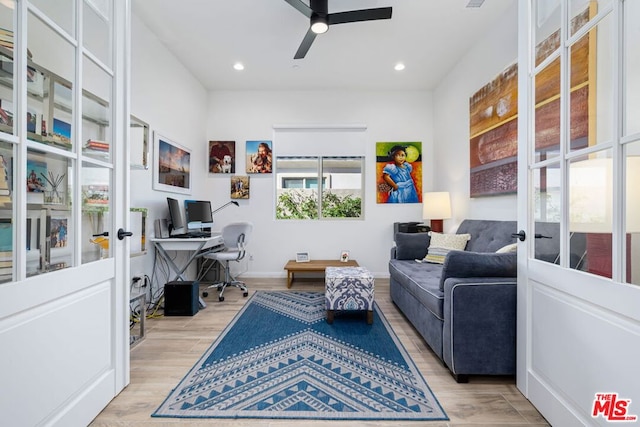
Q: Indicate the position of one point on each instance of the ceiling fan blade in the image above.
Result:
(359, 15)
(305, 45)
(302, 8)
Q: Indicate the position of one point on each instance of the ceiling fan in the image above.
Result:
(320, 19)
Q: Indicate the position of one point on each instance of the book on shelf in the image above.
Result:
(97, 145)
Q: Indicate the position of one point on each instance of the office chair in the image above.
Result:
(235, 236)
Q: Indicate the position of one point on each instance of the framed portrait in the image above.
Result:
(259, 157)
(172, 168)
(302, 257)
(239, 187)
(222, 157)
(399, 172)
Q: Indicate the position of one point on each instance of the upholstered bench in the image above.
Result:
(349, 288)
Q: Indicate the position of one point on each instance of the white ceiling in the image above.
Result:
(209, 36)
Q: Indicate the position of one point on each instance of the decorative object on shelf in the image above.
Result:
(59, 232)
(172, 171)
(61, 134)
(259, 157)
(344, 256)
(436, 206)
(95, 196)
(222, 157)
(239, 187)
(493, 115)
(399, 172)
(302, 257)
(95, 145)
(53, 196)
(35, 171)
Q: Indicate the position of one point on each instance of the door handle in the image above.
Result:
(540, 236)
(520, 235)
(122, 234)
(105, 234)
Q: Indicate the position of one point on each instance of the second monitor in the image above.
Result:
(198, 215)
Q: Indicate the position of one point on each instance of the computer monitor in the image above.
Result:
(198, 214)
(175, 215)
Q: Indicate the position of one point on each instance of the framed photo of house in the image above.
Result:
(172, 165)
(302, 257)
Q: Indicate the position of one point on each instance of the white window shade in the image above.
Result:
(319, 140)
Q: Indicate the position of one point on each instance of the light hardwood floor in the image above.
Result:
(174, 344)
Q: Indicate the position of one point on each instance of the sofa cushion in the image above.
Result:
(487, 235)
(462, 264)
(513, 247)
(411, 246)
(421, 280)
(441, 244)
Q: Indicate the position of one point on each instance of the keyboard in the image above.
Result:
(191, 235)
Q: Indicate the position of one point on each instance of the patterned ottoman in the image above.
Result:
(348, 288)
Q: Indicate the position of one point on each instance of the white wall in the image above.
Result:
(484, 61)
(165, 95)
(389, 116)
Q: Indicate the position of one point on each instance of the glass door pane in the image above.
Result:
(96, 218)
(7, 73)
(51, 92)
(7, 225)
(49, 216)
(631, 64)
(96, 112)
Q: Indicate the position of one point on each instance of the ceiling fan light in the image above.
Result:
(319, 24)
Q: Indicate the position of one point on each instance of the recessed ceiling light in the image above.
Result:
(399, 66)
(238, 66)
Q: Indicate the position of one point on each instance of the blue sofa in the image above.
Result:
(465, 309)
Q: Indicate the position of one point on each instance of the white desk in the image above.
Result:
(197, 247)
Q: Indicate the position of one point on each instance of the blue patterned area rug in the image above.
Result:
(279, 358)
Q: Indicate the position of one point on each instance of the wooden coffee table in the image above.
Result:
(318, 265)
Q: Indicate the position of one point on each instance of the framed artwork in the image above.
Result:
(239, 187)
(222, 157)
(302, 257)
(36, 176)
(259, 157)
(59, 232)
(493, 116)
(172, 169)
(399, 172)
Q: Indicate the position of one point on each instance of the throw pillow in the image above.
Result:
(513, 247)
(441, 244)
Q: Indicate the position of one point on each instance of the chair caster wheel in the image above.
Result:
(205, 294)
(220, 299)
(246, 294)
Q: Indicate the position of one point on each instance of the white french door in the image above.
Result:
(578, 312)
(64, 291)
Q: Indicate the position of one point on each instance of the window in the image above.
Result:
(298, 195)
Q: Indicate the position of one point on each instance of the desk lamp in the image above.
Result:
(436, 206)
(233, 202)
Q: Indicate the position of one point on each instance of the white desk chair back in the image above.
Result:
(236, 237)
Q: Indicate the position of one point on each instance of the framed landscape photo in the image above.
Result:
(302, 257)
(172, 168)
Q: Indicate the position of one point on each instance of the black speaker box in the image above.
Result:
(181, 298)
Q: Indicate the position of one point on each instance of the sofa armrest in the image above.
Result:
(411, 245)
(479, 332)
(462, 264)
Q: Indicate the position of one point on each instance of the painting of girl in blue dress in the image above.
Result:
(399, 172)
